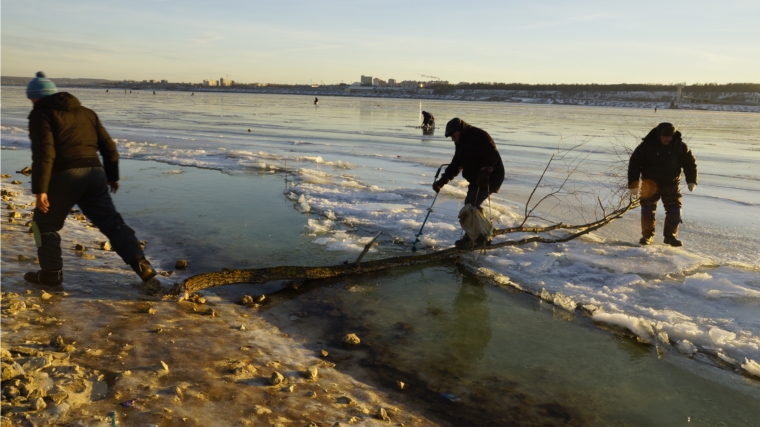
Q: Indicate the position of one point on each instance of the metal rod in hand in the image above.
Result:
(430, 209)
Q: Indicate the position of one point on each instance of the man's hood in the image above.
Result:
(653, 137)
(58, 101)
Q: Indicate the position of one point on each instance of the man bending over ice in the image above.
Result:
(476, 157)
(67, 171)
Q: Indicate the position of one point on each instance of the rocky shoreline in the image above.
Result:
(105, 349)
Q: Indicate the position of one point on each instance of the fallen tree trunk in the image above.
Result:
(267, 274)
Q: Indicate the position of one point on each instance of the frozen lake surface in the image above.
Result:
(358, 166)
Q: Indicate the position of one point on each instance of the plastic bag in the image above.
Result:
(475, 223)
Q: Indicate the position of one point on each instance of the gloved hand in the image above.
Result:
(692, 186)
(483, 178)
(438, 185)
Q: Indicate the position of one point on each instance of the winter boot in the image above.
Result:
(646, 241)
(672, 241)
(464, 243)
(42, 277)
(143, 269)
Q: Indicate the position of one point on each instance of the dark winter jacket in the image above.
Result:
(66, 135)
(474, 151)
(662, 163)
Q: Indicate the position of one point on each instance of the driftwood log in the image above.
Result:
(267, 274)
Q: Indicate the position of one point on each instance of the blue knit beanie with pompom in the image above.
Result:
(40, 87)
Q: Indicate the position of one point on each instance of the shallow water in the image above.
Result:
(468, 339)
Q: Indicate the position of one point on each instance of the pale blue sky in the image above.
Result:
(333, 41)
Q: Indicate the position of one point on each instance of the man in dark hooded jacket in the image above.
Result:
(479, 161)
(656, 166)
(66, 170)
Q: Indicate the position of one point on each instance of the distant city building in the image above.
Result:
(164, 82)
(210, 82)
(392, 82)
(224, 82)
(375, 82)
(367, 80)
(151, 81)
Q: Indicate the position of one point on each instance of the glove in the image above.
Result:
(692, 186)
(483, 178)
(438, 185)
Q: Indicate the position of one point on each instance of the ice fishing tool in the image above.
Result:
(430, 209)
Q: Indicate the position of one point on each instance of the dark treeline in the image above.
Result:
(593, 87)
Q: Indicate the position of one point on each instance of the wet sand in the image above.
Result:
(104, 348)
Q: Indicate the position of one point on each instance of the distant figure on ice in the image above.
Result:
(316, 101)
(655, 109)
(192, 94)
(66, 171)
(479, 161)
(106, 90)
(428, 120)
(656, 165)
(154, 92)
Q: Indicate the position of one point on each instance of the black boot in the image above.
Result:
(42, 277)
(646, 241)
(464, 243)
(672, 241)
(143, 269)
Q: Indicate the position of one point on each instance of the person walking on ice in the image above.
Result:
(654, 171)
(479, 161)
(66, 171)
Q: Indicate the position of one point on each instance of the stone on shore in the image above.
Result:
(350, 340)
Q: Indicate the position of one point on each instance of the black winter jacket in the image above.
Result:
(474, 151)
(66, 135)
(662, 163)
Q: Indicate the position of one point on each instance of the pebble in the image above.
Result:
(400, 385)
(276, 378)
(350, 340)
(23, 258)
(106, 246)
(88, 256)
(151, 311)
(247, 299)
(181, 264)
(14, 215)
(165, 366)
(57, 341)
(45, 295)
(38, 404)
(11, 221)
(311, 394)
(323, 353)
(15, 181)
(382, 414)
(80, 247)
(312, 372)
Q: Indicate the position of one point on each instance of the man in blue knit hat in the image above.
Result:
(66, 171)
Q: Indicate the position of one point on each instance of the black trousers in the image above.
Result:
(671, 200)
(476, 196)
(87, 188)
